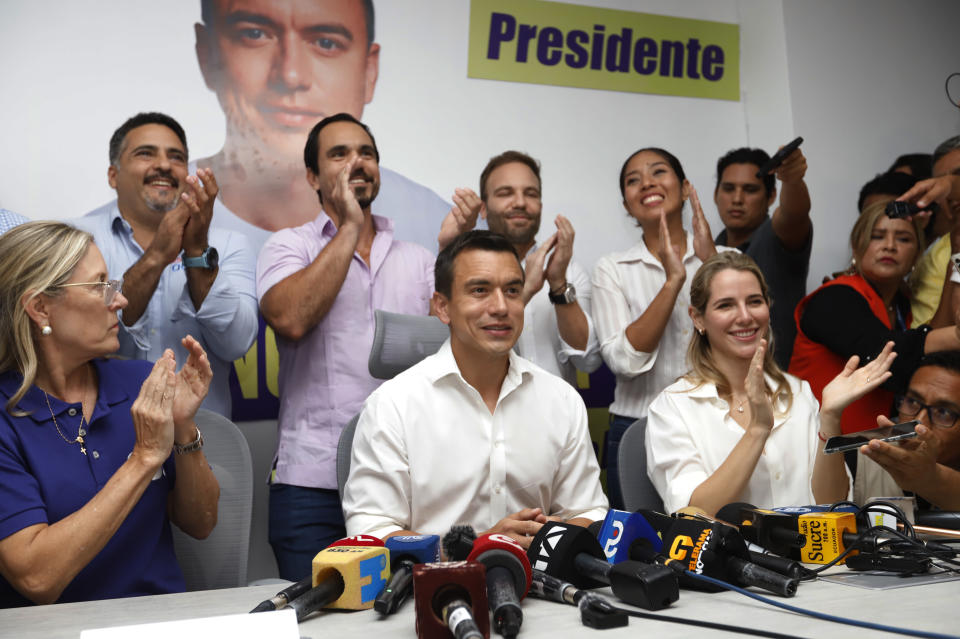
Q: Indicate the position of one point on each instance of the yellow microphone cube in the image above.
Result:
(824, 535)
(365, 571)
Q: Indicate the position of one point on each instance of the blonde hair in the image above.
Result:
(863, 229)
(35, 258)
(703, 370)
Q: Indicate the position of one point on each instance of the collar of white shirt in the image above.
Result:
(708, 391)
(445, 365)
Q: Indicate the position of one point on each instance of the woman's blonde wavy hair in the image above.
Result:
(703, 370)
(35, 258)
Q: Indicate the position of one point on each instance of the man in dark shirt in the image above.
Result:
(779, 243)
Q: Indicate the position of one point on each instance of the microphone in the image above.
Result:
(508, 579)
(619, 529)
(595, 610)
(572, 554)
(345, 577)
(813, 536)
(405, 552)
(285, 596)
(458, 543)
(450, 597)
(288, 594)
(757, 554)
(718, 551)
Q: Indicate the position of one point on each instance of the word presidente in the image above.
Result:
(645, 54)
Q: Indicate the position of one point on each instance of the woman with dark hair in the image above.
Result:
(857, 314)
(88, 481)
(736, 427)
(641, 294)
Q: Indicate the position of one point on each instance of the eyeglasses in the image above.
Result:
(939, 416)
(110, 288)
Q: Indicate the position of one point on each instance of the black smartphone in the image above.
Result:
(897, 209)
(779, 157)
(893, 433)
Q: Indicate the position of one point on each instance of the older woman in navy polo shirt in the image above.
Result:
(89, 480)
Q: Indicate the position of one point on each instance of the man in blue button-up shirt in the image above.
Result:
(181, 277)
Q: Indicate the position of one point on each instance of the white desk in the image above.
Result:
(928, 607)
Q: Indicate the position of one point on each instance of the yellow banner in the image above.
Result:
(570, 45)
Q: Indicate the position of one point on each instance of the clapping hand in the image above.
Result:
(853, 383)
(462, 217)
(152, 412)
(761, 408)
(703, 246)
(193, 382)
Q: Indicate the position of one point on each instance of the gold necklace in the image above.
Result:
(79, 439)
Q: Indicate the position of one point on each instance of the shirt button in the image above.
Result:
(497, 488)
(71, 412)
(777, 476)
(96, 455)
(496, 444)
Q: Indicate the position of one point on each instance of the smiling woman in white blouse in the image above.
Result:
(736, 427)
(641, 294)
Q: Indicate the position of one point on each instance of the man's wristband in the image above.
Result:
(196, 444)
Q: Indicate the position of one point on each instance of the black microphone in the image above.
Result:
(718, 551)
(508, 579)
(595, 610)
(285, 596)
(406, 551)
(458, 543)
(572, 554)
(320, 596)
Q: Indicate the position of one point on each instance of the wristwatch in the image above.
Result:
(209, 259)
(955, 258)
(196, 444)
(566, 295)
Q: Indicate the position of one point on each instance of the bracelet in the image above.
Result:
(196, 444)
(822, 438)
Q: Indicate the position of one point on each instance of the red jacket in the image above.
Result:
(818, 365)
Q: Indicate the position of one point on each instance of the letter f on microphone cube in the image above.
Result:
(365, 571)
(620, 529)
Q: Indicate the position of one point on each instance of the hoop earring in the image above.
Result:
(46, 330)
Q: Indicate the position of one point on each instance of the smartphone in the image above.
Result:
(840, 443)
(897, 209)
(779, 157)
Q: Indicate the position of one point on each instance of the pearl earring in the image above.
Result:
(700, 330)
(46, 330)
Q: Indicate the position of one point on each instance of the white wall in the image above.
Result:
(866, 80)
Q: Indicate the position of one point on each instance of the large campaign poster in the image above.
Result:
(443, 85)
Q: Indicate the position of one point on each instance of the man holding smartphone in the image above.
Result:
(929, 465)
(779, 243)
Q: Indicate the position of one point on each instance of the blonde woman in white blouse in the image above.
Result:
(640, 295)
(736, 427)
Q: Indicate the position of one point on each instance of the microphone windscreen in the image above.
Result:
(364, 570)
(458, 542)
(500, 550)
(358, 540)
(620, 529)
(420, 549)
(435, 584)
(555, 547)
(733, 513)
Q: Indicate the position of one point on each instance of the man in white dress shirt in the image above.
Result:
(473, 434)
(558, 332)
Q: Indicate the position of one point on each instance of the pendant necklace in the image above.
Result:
(80, 430)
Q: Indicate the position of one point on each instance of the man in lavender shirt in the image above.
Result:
(318, 286)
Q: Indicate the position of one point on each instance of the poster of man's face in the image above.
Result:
(279, 66)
